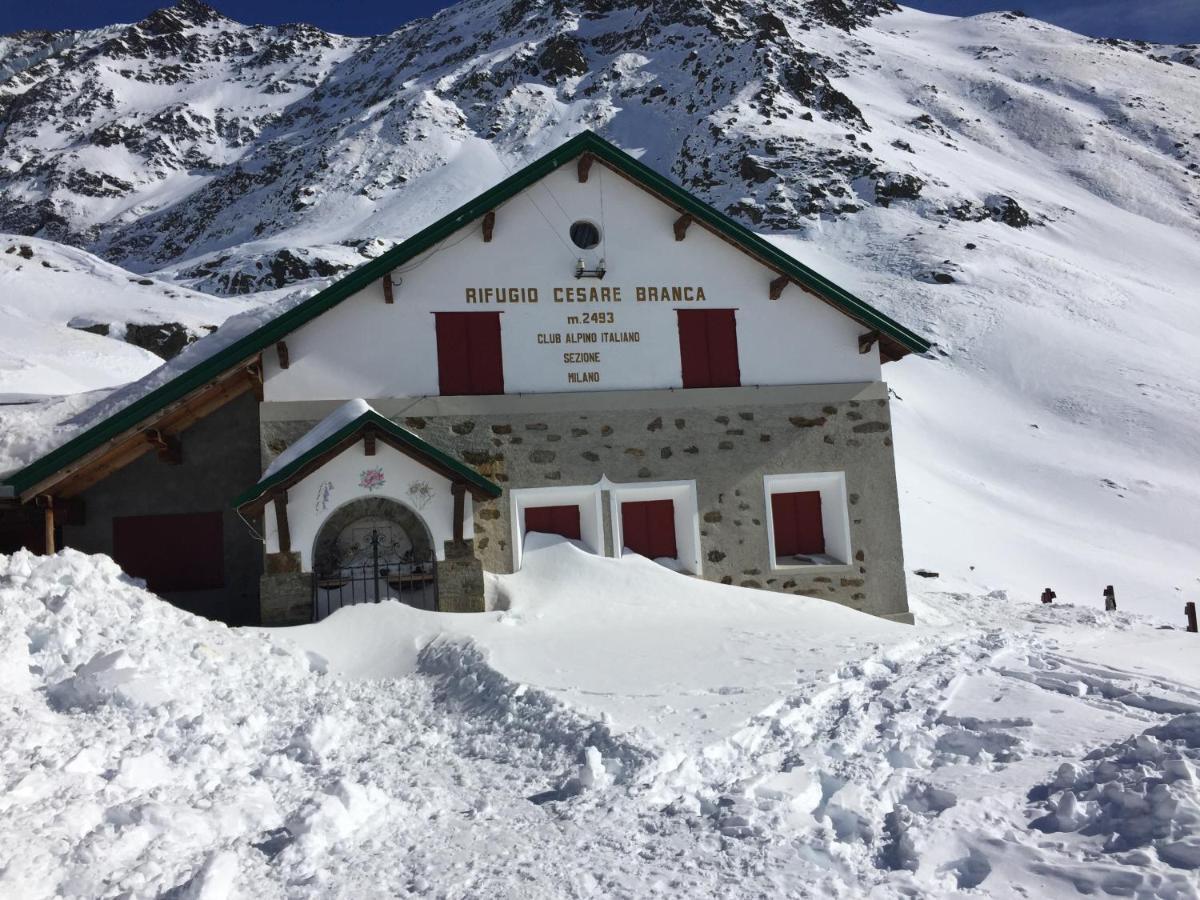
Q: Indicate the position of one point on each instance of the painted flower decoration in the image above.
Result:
(370, 479)
(324, 495)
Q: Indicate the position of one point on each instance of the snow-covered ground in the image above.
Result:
(50, 293)
(611, 729)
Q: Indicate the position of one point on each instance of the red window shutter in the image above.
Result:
(561, 520)
(797, 520)
(722, 348)
(708, 349)
(487, 363)
(454, 368)
(469, 355)
(693, 348)
(648, 528)
(172, 553)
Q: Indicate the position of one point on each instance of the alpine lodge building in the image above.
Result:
(584, 350)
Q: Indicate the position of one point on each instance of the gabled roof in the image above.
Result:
(895, 339)
(386, 431)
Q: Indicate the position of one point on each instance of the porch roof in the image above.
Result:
(334, 435)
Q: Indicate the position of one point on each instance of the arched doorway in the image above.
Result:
(373, 549)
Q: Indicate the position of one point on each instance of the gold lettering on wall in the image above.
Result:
(502, 295)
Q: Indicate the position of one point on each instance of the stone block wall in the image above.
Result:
(726, 448)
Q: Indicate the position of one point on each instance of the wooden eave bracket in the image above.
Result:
(281, 348)
(585, 166)
(778, 285)
(681, 225)
(255, 373)
(169, 447)
(489, 225)
(369, 442)
(388, 296)
(867, 341)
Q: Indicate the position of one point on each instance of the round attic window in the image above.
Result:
(585, 235)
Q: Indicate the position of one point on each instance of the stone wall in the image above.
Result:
(725, 446)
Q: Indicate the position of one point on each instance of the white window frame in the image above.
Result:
(687, 517)
(586, 497)
(835, 515)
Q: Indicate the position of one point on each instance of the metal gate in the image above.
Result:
(377, 573)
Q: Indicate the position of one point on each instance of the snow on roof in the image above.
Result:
(326, 428)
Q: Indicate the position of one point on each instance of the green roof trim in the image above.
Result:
(374, 270)
(294, 470)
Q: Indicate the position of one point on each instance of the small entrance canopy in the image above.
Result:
(350, 424)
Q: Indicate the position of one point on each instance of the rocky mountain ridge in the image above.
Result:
(240, 158)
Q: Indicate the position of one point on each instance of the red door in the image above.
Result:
(172, 552)
(797, 520)
(563, 520)
(648, 528)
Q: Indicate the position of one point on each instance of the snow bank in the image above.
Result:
(642, 641)
(615, 729)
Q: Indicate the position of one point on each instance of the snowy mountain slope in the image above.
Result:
(1006, 751)
(877, 145)
(70, 322)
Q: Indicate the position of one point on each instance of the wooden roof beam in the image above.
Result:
(585, 166)
(169, 447)
(281, 349)
(681, 225)
(778, 285)
(867, 341)
(388, 297)
(489, 225)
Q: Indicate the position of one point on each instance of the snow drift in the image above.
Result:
(615, 730)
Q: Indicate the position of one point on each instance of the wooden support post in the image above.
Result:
(778, 285)
(282, 350)
(1110, 599)
(867, 341)
(681, 226)
(46, 502)
(459, 491)
(1048, 596)
(489, 225)
(281, 522)
(387, 289)
(585, 166)
(369, 442)
(169, 447)
(1189, 610)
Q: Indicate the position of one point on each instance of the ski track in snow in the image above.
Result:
(146, 752)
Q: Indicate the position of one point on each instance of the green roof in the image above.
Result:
(391, 433)
(374, 270)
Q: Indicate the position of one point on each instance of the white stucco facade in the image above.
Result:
(797, 339)
(344, 478)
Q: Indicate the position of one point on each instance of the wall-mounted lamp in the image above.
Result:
(581, 272)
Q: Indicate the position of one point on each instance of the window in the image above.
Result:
(562, 520)
(659, 520)
(585, 235)
(809, 522)
(172, 553)
(572, 510)
(708, 348)
(648, 528)
(469, 359)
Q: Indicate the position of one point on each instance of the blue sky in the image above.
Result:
(1175, 21)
